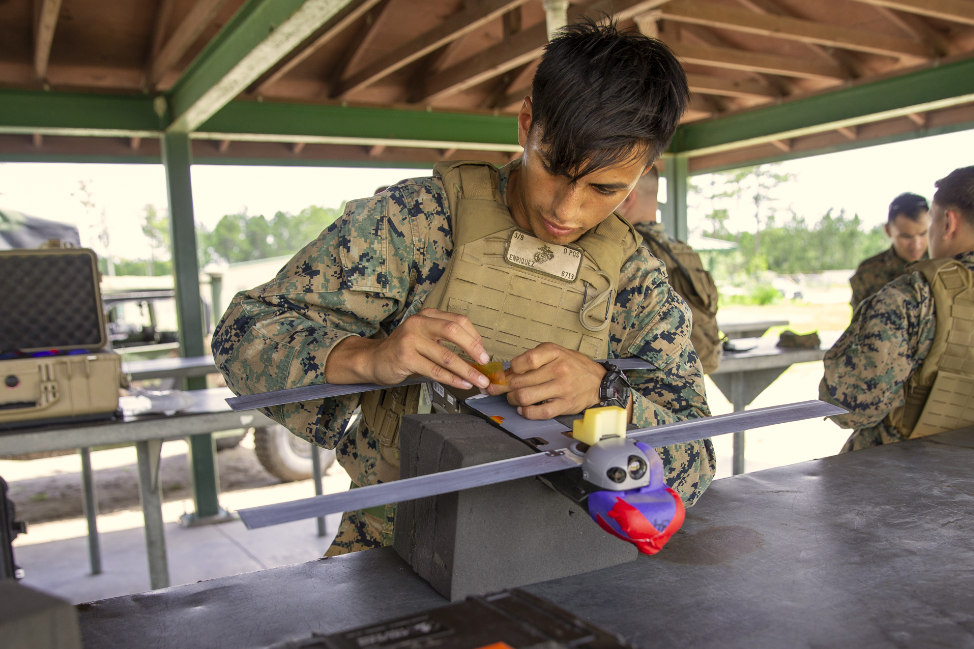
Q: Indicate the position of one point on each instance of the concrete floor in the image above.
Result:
(55, 554)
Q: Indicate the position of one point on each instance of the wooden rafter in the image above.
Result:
(449, 30)
(496, 97)
(783, 145)
(744, 88)
(733, 59)
(849, 132)
(516, 50)
(38, 140)
(918, 119)
(713, 106)
(45, 20)
(223, 146)
(135, 143)
(956, 11)
(330, 32)
(297, 147)
(838, 57)
(366, 35)
(189, 30)
(709, 37)
(515, 96)
(917, 29)
(519, 49)
(794, 29)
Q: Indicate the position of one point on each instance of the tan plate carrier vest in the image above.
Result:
(514, 308)
(940, 396)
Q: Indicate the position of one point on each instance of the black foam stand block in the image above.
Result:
(490, 538)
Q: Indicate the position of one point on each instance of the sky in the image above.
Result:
(863, 181)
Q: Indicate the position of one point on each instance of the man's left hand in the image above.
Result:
(549, 381)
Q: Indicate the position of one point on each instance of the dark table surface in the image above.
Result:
(868, 549)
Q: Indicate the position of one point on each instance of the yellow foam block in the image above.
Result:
(599, 423)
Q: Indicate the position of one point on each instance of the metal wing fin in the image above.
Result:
(522, 467)
(433, 484)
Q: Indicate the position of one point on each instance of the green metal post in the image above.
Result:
(177, 158)
(674, 210)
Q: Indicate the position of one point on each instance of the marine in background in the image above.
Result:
(907, 226)
(910, 349)
(463, 258)
(684, 269)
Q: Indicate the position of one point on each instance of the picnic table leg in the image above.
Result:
(150, 490)
(739, 401)
(89, 503)
(316, 474)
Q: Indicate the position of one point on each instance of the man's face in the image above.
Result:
(909, 237)
(554, 209)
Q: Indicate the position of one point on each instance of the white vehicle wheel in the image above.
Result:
(287, 456)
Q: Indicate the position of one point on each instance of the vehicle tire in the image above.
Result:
(287, 456)
(226, 442)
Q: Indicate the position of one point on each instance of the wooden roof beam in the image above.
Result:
(795, 29)
(849, 132)
(163, 14)
(782, 145)
(742, 88)
(918, 118)
(189, 30)
(709, 37)
(917, 29)
(519, 49)
(732, 59)
(45, 20)
(458, 25)
(956, 11)
(344, 21)
(367, 33)
(838, 57)
(253, 41)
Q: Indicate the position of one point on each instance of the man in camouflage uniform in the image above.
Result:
(349, 307)
(684, 268)
(907, 224)
(873, 369)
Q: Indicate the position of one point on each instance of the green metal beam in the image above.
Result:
(260, 34)
(674, 211)
(843, 146)
(77, 114)
(177, 158)
(949, 84)
(335, 124)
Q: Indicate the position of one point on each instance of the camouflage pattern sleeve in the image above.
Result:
(875, 273)
(867, 368)
(652, 322)
(361, 277)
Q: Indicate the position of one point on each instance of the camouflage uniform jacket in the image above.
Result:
(374, 267)
(875, 273)
(867, 368)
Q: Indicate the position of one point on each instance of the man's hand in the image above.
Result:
(414, 348)
(566, 381)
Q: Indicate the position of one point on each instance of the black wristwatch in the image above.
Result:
(615, 388)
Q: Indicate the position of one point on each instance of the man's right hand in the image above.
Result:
(414, 348)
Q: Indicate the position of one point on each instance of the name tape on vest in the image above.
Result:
(560, 262)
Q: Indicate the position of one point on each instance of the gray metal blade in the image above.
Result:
(328, 390)
(523, 467)
(694, 429)
(401, 490)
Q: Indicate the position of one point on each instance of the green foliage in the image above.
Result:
(834, 243)
(758, 294)
(239, 237)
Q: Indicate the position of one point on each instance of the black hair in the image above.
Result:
(909, 205)
(602, 97)
(956, 191)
